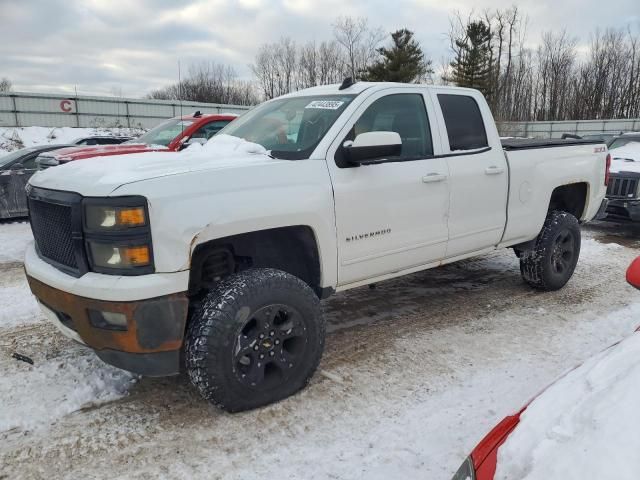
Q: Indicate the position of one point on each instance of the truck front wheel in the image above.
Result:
(255, 339)
(550, 264)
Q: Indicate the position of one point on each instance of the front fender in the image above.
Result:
(190, 209)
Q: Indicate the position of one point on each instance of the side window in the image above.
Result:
(210, 129)
(29, 162)
(465, 126)
(405, 114)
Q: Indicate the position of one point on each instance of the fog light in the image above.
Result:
(108, 320)
(113, 256)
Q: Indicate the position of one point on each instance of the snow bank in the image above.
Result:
(19, 307)
(583, 426)
(626, 158)
(38, 395)
(14, 238)
(22, 137)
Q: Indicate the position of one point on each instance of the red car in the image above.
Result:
(482, 463)
(169, 136)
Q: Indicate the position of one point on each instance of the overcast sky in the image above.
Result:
(133, 46)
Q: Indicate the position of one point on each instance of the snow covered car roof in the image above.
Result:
(583, 426)
(626, 158)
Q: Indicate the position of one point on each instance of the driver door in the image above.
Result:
(391, 215)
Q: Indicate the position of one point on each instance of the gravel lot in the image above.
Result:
(415, 372)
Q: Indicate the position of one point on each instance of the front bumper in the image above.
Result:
(151, 343)
(155, 307)
(622, 209)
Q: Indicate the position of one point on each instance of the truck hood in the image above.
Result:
(94, 177)
(77, 153)
(626, 158)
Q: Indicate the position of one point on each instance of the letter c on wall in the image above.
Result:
(66, 106)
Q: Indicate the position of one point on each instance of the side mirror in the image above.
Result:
(370, 147)
(17, 166)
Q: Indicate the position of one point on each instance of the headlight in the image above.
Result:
(98, 217)
(466, 470)
(118, 235)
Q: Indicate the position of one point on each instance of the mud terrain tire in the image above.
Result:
(550, 264)
(255, 339)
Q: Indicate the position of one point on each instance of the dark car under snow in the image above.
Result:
(15, 170)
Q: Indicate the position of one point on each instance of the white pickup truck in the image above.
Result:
(213, 260)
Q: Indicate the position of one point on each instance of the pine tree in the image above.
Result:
(472, 65)
(403, 61)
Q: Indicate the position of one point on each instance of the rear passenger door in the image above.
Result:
(478, 171)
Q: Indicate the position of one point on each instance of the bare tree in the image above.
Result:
(275, 67)
(5, 85)
(359, 43)
(212, 83)
(330, 63)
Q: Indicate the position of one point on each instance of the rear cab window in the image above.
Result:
(464, 122)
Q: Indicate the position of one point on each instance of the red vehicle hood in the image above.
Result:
(78, 153)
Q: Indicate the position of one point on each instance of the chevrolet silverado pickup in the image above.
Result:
(216, 264)
(170, 136)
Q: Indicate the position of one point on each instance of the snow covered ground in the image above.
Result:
(13, 138)
(415, 373)
(14, 237)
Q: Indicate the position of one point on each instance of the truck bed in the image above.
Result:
(530, 143)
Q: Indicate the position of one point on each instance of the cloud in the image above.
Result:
(134, 45)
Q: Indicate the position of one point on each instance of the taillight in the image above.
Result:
(606, 170)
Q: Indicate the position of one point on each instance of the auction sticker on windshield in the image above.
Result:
(325, 104)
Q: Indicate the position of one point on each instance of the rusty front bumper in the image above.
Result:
(152, 341)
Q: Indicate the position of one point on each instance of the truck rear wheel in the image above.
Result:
(550, 264)
(255, 339)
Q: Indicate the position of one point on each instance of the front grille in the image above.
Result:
(53, 232)
(622, 186)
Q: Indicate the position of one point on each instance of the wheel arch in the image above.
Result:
(293, 249)
(570, 198)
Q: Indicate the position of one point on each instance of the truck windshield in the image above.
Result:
(622, 141)
(164, 133)
(290, 128)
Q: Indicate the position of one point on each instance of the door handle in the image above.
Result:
(433, 177)
(493, 170)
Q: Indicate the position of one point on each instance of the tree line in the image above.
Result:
(551, 82)
(209, 82)
(557, 80)
(554, 81)
(354, 51)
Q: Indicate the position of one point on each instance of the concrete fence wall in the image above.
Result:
(577, 127)
(52, 110)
